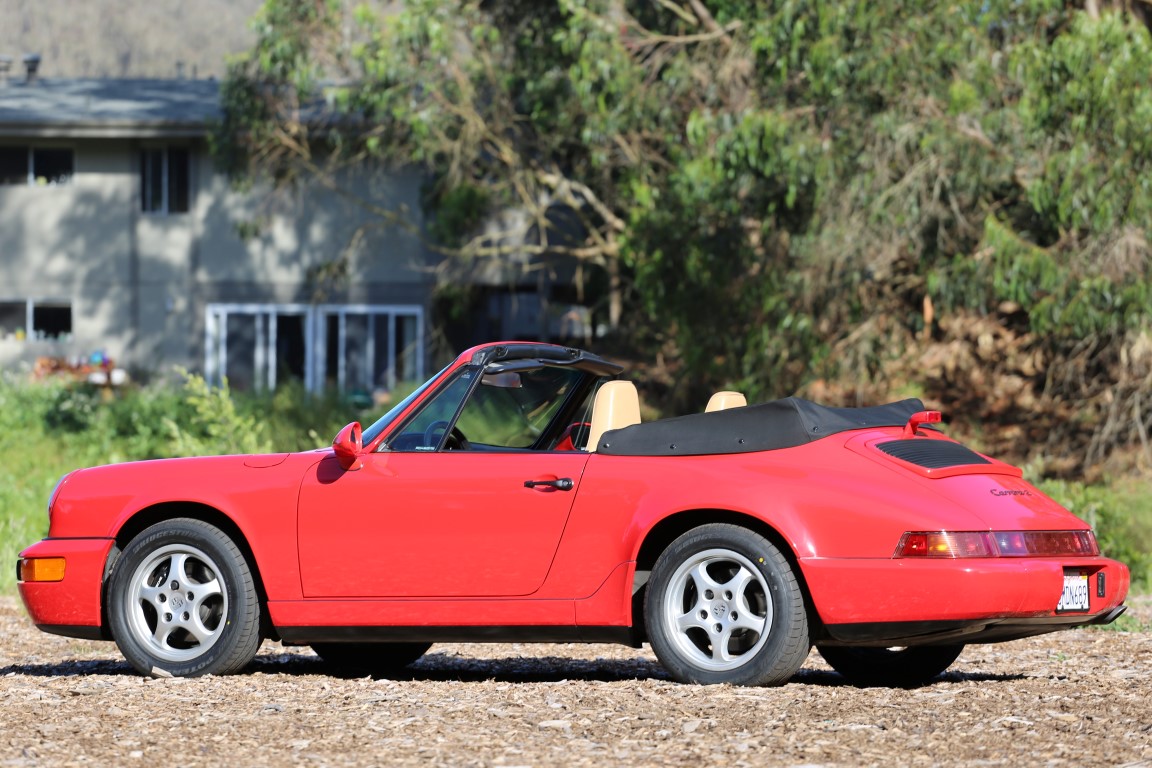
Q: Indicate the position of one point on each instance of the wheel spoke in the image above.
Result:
(201, 592)
(163, 631)
(179, 561)
(692, 620)
(150, 595)
(720, 645)
(195, 627)
(750, 622)
(738, 585)
(702, 579)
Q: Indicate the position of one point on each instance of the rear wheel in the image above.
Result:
(890, 667)
(370, 658)
(723, 606)
(182, 602)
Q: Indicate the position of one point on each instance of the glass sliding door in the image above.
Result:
(257, 346)
(353, 348)
(369, 348)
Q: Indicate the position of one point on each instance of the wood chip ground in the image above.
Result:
(1081, 697)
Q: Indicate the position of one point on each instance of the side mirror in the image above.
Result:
(349, 447)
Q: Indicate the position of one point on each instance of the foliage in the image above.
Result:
(775, 193)
(216, 426)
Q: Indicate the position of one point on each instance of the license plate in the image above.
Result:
(1075, 595)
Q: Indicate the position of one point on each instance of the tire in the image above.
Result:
(182, 602)
(377, 659)
(723, 606)
(890, 667)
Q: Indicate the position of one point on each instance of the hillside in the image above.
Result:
(126, 38)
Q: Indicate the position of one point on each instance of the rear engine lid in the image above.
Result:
(932, 456)
(996, 493)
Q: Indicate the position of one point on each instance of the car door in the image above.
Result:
(435, 524)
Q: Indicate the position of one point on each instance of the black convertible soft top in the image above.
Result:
(765, 427)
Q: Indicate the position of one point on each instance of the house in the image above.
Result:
(119, 239)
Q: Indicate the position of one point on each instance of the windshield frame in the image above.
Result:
(381, 424)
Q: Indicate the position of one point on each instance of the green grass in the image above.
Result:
(30, 464)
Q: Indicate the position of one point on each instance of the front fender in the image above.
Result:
(259, 498)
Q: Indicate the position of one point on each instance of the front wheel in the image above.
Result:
(890, 667)
(182, 602)
(724, 606)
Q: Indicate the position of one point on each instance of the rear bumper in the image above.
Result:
(888, 634)
(70, 607)
(979, 600)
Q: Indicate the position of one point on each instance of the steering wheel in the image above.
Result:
(455, 441)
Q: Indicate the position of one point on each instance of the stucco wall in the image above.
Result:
(301, 230)
(72, 242)
(139, 283)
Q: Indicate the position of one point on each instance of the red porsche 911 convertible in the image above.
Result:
(516, 496)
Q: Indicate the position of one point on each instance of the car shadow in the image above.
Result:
(542, 669)
(446, 667)
(70, 668)
(828, 678)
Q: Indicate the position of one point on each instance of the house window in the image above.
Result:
(51, 319)
(164, 180)
(13, 319)
(13, 165)
(356, 348)
(39, 166)
(35, 319)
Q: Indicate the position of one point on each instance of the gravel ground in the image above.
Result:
(1082, 697)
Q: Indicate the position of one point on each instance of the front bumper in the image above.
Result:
(963, 600)
(71, 607)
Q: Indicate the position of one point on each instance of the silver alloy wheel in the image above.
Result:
(176, 604)
(717, 610)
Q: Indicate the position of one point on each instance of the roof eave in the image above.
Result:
(107, 129)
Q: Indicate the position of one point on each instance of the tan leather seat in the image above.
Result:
(723, 400)
(617, 405)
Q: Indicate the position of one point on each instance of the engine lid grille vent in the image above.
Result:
(932, 454)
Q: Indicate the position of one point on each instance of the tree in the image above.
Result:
(782, 194)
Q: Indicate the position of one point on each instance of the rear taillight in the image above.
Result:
(956, 544)
(1046, 543)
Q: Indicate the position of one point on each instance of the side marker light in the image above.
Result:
(33, 569)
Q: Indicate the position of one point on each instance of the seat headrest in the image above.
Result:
(724, 400)
(617, 405)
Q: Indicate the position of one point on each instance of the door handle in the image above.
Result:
(560, 484)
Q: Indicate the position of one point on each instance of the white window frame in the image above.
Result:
(341, 312)
(315, 339)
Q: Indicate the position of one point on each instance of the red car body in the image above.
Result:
(371, 545)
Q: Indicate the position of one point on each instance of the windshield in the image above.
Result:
(503, 410)
(382, 423)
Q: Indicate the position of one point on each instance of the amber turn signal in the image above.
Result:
(41, 569)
